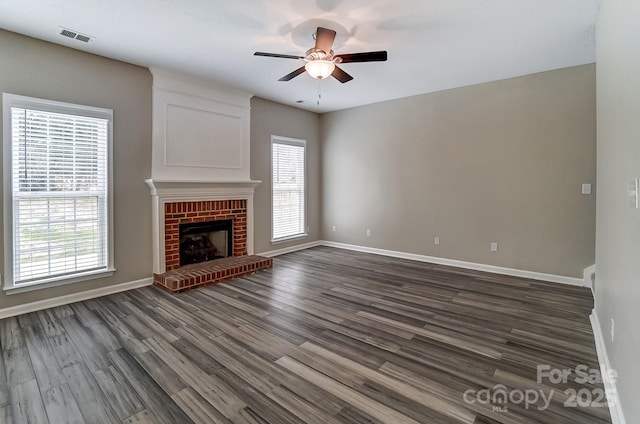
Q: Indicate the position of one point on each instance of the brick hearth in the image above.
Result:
(177, 278)
(210, 272)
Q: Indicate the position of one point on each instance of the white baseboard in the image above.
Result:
(460, 264)
(615, 409)
(588, 272)
(272, 253)
(71, 298)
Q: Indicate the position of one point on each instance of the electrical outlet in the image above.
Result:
(613, 329)
(368, 233)
(436, 241)
(494, 247)
(333, 228)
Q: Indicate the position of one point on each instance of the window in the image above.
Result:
(288, 188)
(57, 192)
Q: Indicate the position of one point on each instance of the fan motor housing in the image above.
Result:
(317, 54)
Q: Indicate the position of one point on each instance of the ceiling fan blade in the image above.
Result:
(293, 74)
(341, 75)
(379, 56)
(324, 39)
(284, 56)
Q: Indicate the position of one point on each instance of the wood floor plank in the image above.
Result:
(197, 408)
(63, 311)
(299, 407)
(93, 354)
(127, 338)
(84, 315)
(429, 399)
(4, 385)
(120, 396)
(195, 354)
(64, 350)
(155, 327)
(26, 403)
(161, 373)
(17, 365)
(260, 403)
(5, 415)
(373, 408)
(50, 323)
(10, 334)
(160, 405)
(61, 406)
(142, 417)
(207, 386)
(91, 401)
(458, 342)
(235, 358)
(46, 371)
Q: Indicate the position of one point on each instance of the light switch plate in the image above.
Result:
(586, 188)
(634, 194)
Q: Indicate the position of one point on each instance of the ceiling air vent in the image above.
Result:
(68, 33)
(75, 35)
(83, 38)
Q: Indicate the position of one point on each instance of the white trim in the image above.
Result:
(291, 142)
(71, 298)
(586, 275)
(290, 238)
(13, 100)
(277, 252)
(615, 408)
(432, 259)
(59, 281)
(460, 264)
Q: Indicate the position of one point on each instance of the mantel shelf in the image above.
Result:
(173, 187)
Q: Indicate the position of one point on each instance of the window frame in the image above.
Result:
(276, 139)
(10, 101)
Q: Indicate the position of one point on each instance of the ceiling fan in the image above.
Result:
(321, 61)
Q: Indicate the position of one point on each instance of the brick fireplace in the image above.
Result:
(178, 213)
(179, 203)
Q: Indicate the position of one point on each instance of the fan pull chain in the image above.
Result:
(319, 94)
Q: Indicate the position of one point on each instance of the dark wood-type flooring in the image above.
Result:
(327, 336)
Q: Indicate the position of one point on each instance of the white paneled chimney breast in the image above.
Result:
(200, 130)
(200, 149)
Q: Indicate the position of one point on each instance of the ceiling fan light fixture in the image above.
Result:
(320, 69)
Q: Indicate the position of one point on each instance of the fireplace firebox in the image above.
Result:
(205, 241)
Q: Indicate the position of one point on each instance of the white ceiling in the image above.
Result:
(432, 44)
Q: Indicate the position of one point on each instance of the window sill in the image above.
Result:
(60, 281)
(290, 238)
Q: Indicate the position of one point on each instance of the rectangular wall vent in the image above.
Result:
(68, 33)
(83, 38)
(75, 35)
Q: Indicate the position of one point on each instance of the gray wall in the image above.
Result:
(39, 69)
(267, 119)
(502, 162)
(618, 226)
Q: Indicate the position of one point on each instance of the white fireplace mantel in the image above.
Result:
(181, 189)
(168, 191)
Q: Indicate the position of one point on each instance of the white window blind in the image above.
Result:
(59, 184)
(288, 187)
